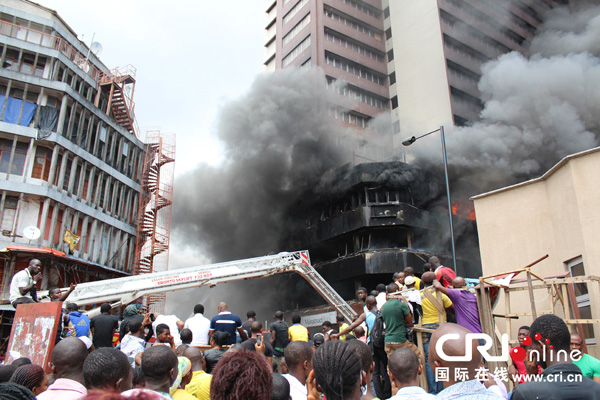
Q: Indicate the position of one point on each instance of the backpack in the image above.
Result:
(378, 331)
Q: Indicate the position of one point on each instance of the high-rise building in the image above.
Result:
(70, 157)
(420, 60)
(343, 37)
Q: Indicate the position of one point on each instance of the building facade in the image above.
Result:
(71, 161)
(555, 214)
(343, 37)
(418, 60)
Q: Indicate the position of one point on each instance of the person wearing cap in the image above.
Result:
(410, 272)
(318, 339)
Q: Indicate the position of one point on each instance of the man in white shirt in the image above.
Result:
(23, 283)
(175, 326)
(381, 297)
(404, 370)
(298, 357)
(199, 325)
(133, 343)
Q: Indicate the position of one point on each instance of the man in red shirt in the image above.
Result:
(443, 274)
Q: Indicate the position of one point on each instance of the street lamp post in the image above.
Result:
(413, 139)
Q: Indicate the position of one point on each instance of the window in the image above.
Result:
(390, 55)
(10, 209)
(361, 27)
(18, 159)
(296, 30)
(354, 68)
(576, 268)
(354, 46)
(394, 102)
(296, 52)
(41, 165)
(386, 12)
(388, 33)
(295, 10)
(392, 78)
(356, 93)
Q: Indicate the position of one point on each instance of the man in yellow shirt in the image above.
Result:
(297, 332)
(199, 386)
(434, 305)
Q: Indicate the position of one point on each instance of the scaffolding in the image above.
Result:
(154, 212)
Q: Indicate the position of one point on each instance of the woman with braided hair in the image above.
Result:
(337, 371)
(32, 377)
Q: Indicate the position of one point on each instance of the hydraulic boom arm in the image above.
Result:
(127, 289)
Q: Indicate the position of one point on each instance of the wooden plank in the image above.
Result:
(531, 296)
(507, 319)
(565, 302)
(516, 270)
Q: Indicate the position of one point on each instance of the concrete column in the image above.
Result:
(8, 88)
(127, 205)
(106, 200)
(44, 219)
(2, 202)
(12, 157)
(115, 195)
(36, 117)
(74, 107)
(116, 250)
(63, 169)
(62, 114)
(93, 240)
(91, 188)
(81, 183)
(84, 237)
(72, 175)
(53, 225)
(98, 184)
(29, 160)
(8, 274)
(63, 226)
(53, 165)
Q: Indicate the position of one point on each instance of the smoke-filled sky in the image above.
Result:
(277, 139)
(538, 108)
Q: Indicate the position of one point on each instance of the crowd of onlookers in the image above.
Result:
(374, 356)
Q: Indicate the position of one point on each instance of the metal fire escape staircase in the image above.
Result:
(154, 211)
(119, 84)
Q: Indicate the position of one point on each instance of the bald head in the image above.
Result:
(455, 347)
(222, 307)
(68, 357)
(458, 282)
(428, 278)
(435, 262)
(370, 302)
(196, 358)
(409, 271)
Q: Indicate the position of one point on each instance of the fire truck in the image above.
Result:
(121, 291)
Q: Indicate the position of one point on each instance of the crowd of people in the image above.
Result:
(373, 357)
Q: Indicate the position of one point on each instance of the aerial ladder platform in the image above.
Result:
(121, 291)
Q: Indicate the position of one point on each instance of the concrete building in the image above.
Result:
(70, 158)
(419, 60)
(556, 214)
(343, 37)
(435, 49)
